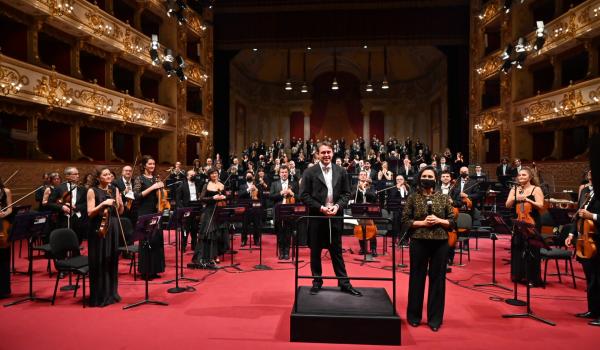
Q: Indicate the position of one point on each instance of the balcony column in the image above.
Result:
(109, 149)
(137, 82)
(75, 59)
(556, 64)
(33, 41)
(137, 15)
(592, 59)
(558, 145)
(109, 81)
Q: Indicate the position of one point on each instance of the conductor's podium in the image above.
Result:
(332, 316)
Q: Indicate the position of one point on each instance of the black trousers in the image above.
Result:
(372, 244)
(428, 257)
(284, 236)
(190, 229)
(591, 268)
(335, 252)
(4, 272)
(254, 219)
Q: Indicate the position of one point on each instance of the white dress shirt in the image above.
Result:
(328, 175)
(193, 193)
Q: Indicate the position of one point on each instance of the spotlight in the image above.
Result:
(254, 49)
(180, 74)
(168, 62)
(369, 87)
(385, 85)
(539, 36)
(154, 50)
(521, 43)
(520, 60)
(507, 52)
(170, 7)
(180, 61)
(365, 46)
(288, 85)
(506, 66)
(181, 4)
(180, 17)
(334, 85)
(304, 88)
(308, 48)
(507, 5)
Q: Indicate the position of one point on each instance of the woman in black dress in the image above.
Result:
(145, 187)
(527, 192)
(103, 244)
(212, 235)
(5, 217)
(428, 216)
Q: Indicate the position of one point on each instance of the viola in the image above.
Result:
(4, 228)
(586, 246)
(163, 198)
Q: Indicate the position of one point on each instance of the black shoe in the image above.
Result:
(595, 322)
(414, 324)
(374, 253)
(586, 315)
(361, 252)
(315, 290)
(286, 257)
(350, 290)
(448, 269)
(434, 328)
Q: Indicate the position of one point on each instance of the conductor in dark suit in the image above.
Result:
(188, 195)
(284, 187)
(325, 190)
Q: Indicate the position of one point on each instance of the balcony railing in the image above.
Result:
(488, 120)
(23, 81)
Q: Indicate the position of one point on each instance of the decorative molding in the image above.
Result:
(99, 102)
(11, 81)
(56, 92)
(489, 12)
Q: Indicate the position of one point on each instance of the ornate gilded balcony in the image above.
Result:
(197, 125)
(488, 120)
(569, 102)
(490, 12)
(489, 65)
(56, 90)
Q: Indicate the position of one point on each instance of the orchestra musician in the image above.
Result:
(281, 191)
(479, 175)
(428, 216)
(39, 193)
(326, 191)
(188, 195)
(504, 171)
(364, 193)
(398, 197)
(466, 190)
(73, 212)
(125, 185)
(176, 173)
(249, 190)
(527, 192)
(591, 266)
(103, 202)
(5, 219)
(212, 236)
(385, 173)
(145, 188)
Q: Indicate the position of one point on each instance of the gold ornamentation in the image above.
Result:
(195, 126)
(11, 81)
(100, 103)
(132, 43)
(100, 27)
(490, 66)
(571, 101)
(55, 91)
(538, 109)
(127, 111)
(566, 29)
(194, 23)
(490, 120)
(490, 11)
(59, 7)
(152, 116)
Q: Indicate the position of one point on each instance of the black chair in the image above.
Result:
(131, 249)
(464, 223)
(557, 254)
(67, 258)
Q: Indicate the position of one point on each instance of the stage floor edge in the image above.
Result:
(336, 317)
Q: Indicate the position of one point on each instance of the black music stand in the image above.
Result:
(494, 238)
(251, 208)
(290, 213)
(366, 211)
(393, 208)
(177, 219)
(195, 213)
(532, 239)
(18, 209)
(146, 226)
(28, 226)
(249, 204)
(228, 215)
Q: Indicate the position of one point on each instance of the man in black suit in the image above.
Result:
(284, 187)
(253, 215)
(326, 191)
(479, 175)
(73, 213)
(125, 185)
(504, 171)
(188, 195)
(591, 267)
(407, 171)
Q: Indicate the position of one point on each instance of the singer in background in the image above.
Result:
(428, 217)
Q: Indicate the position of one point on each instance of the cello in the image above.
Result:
(370, 229)
(586, 246)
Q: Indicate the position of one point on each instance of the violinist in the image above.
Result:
(5, 219)
(103, 202)
(590, 208)
(282, 189)
(364, 193)
(428, 216)
(529, 202)
(465, 193)
(249, 190)
(39, 194)
(188, 195)
(145, 188)
(212, 235)
(398, 197)
(72, 203)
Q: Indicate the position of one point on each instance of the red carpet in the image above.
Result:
(251, 310)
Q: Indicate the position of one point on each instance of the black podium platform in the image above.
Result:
(332, 316)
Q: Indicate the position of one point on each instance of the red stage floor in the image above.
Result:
(251, 310)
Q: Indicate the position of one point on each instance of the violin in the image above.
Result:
(586, 246)
(163, 198)
(524, 210)
(222, 202)
(105, 222)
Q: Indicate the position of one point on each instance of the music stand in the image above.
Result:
(393, 208)
(28, 226)
(290, 213)
(18, 209)
(532, 239)
(227, 215)
(251, 208)
(494, 238)
(366, 211)
(249, 204)
(146, 226)
(177, 219)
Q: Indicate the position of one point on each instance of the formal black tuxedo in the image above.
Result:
(322, 234)
(128, 214)
(297, 176)
(368, 197)
(507, 172)
(471, 189)
(253, 215)
(406, 172)
(183, 200)
(282, 228)
(78, 223)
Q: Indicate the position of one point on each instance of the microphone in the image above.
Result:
(429, 207)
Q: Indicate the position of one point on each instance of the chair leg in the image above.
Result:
(76, 286)
(469, 254)
(570, 262)
(55, 288)
(558, 271)
(460, 249)
(83, 292)
(545, 271)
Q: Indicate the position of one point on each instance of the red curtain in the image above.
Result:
(376, 124)
(297, 125)
(55, 139)
(92, 142)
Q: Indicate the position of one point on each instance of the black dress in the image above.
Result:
(4, 254)
(518, 256)
(103, 256)
(147, 205)
(212, 235)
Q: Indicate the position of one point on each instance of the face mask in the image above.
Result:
(464, 176)
(427, 183)
(249, 179)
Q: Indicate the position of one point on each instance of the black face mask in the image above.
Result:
(464, 176)
(427, 183)
(249, 179)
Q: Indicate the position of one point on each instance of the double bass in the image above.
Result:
(586, 246)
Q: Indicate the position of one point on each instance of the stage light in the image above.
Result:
(168, 62)
(180, 61)
(385, 85)
(365, 46)
(520, 61)
(180, 17)
(521, 45)
(254, 49)
(369, 87)
(308, 48)
(288, 86)
(507, 52)
(334, 85)
(304, 88)
(540, 36)
(181, 4)
(170, 7)
(180, 74)
(507, 5)
(506, 66)
(154, 45)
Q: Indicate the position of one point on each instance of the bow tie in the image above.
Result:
(326, 169)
